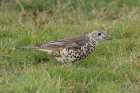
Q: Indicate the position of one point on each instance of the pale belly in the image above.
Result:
(64, 59)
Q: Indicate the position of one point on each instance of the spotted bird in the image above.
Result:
(72, 48)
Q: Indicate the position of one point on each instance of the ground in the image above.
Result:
(114, 67)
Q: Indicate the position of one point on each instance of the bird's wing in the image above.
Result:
(73, 42)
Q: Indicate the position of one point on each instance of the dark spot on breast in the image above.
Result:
(67, 59)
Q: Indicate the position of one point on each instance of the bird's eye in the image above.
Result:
(99, 34)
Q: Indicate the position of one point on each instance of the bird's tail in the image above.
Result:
(25, 47)
(34, 47)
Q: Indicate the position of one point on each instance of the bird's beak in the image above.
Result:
(107, 38)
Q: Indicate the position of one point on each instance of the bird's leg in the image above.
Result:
(66, 63)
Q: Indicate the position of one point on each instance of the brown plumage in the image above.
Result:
(72, 48)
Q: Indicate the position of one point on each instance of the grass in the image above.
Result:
(114, 67)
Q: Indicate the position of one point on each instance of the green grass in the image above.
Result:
(114, 67)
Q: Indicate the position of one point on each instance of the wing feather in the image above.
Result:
(72, 42)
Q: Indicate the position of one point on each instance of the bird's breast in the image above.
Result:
(70, 55)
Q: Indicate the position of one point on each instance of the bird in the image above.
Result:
(70, 49)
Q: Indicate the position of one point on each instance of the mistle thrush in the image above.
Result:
(72, 48)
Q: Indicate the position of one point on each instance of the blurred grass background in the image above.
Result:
(114, 67)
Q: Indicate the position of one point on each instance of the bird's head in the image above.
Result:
(97, 36)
